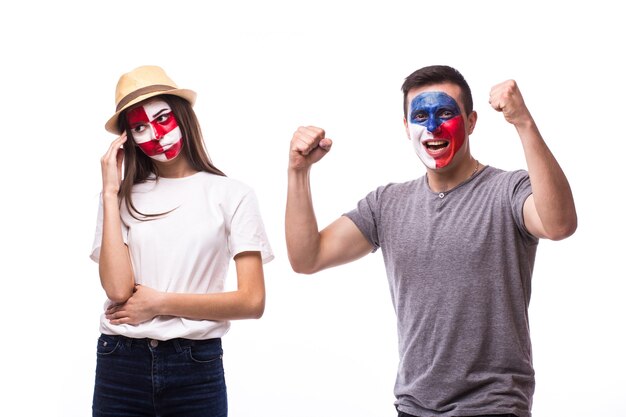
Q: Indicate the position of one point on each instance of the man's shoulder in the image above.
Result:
(500, 171)
(493, 174)
(393, 188)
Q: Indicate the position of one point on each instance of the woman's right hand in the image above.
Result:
(111, 164)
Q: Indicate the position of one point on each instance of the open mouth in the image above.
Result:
(436, 145)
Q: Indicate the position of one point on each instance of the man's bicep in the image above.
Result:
(532, 222)
(342, 242)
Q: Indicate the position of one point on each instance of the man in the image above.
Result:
(458, 243)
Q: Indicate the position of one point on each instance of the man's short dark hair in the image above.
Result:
(437, 74)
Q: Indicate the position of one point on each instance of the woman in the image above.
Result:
(167, 230)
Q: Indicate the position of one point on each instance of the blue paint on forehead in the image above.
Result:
(432, 108)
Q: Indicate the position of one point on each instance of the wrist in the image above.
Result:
(109, 194)
(526, 126)
(298, 171)
(298, 178)
(524, 120)
(159, 305)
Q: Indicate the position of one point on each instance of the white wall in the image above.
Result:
(326, 345)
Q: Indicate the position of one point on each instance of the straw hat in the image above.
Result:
(142, 83)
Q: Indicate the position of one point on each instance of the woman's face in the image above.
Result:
(155, 129)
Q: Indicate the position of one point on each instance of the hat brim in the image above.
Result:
(112, 125)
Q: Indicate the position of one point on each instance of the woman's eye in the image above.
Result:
(163, 118)
(139, 128)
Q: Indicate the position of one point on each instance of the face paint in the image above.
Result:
(436, 128)
(155, 130)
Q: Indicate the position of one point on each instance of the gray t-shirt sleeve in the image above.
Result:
(519, 190)
(366, 217)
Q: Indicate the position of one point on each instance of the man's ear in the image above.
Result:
(471, 121)
(406, 128)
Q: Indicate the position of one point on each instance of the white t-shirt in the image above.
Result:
(189, 249)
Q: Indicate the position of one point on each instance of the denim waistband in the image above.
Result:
(177, 344)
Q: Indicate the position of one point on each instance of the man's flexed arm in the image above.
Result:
(309, 250)
(549, 212)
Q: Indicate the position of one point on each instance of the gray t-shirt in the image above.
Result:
(459, 266)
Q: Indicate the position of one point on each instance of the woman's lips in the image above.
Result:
(166, 146)
(159, 147)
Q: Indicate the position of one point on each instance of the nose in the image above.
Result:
(157, 134)
(433, 125)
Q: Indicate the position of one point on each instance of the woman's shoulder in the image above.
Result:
(222, 183)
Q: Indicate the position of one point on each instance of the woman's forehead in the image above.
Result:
(150, 107)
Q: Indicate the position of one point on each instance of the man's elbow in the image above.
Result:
(563, 230)
(306, 268)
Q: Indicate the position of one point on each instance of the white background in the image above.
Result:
(326, 345)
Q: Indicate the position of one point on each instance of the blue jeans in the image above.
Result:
(145, 377)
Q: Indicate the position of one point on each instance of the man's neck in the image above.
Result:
(441, 181)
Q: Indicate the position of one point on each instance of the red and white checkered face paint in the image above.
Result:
(155, 130)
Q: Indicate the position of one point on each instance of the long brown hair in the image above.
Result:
(138, 166)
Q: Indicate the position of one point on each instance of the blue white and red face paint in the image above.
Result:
(155, 130)
(436, 128)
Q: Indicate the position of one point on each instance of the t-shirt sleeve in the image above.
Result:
(365, 217)
(519, 190)
(97, 239)
(247, 231)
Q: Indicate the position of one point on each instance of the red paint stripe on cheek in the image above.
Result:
(163, 129)
(454, 131)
